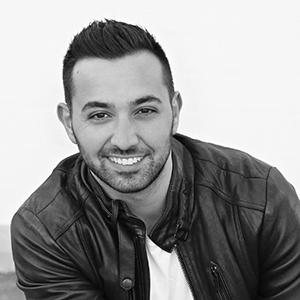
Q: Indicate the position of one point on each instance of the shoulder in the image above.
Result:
(225, 158)
(54, 203)
(235, 175)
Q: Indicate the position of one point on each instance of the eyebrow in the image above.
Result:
(146, 99)
(102, 104)
(95, 104)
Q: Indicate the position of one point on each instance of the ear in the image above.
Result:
(176, 104)
(65, 116)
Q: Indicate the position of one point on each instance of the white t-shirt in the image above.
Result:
(167, 280)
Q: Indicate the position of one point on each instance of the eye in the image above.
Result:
(99, 116)
(145, 111)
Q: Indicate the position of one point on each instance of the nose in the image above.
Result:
(124, 136)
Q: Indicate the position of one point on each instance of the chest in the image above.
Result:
(167, 278)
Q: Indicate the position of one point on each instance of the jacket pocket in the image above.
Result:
(218, 282)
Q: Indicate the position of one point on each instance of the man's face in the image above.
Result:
(122, 119)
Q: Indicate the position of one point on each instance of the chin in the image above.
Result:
(127, 185)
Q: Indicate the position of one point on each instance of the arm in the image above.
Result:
(43, 269)
(280, 241)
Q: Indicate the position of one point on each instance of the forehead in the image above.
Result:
(129, 77)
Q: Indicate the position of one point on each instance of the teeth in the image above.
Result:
(125, 161)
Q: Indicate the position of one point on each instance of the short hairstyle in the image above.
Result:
(111, 39)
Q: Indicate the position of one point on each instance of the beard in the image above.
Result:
(126, 181)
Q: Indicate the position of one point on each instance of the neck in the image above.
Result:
(149, 203)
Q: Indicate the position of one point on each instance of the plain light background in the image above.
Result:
(236, 64)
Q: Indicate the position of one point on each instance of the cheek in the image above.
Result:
(90, 140)
(158, 134)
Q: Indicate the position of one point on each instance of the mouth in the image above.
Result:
(130, 161)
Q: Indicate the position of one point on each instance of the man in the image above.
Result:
(143, 212)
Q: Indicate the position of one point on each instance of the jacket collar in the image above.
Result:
(176, 220)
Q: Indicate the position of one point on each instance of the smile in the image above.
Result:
(125, 161)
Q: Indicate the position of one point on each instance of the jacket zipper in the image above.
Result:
(185, 272)
(219, 282)
(141, 267)
(131, 295)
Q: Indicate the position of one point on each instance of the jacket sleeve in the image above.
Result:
(43, 269)
(280, 241)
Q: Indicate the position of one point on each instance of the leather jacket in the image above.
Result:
(233, 221)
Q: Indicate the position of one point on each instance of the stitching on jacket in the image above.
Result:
(85, 246)
(242, 242)
(266, 195)
(48, 204)
(228, 199)
(221, 191)
(228, 170)
(51, 236)
(64, 226)
(58, 233)
(42, 223)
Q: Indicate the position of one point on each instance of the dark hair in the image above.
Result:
(111, 39)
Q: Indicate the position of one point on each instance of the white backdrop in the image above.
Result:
(236, 64)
